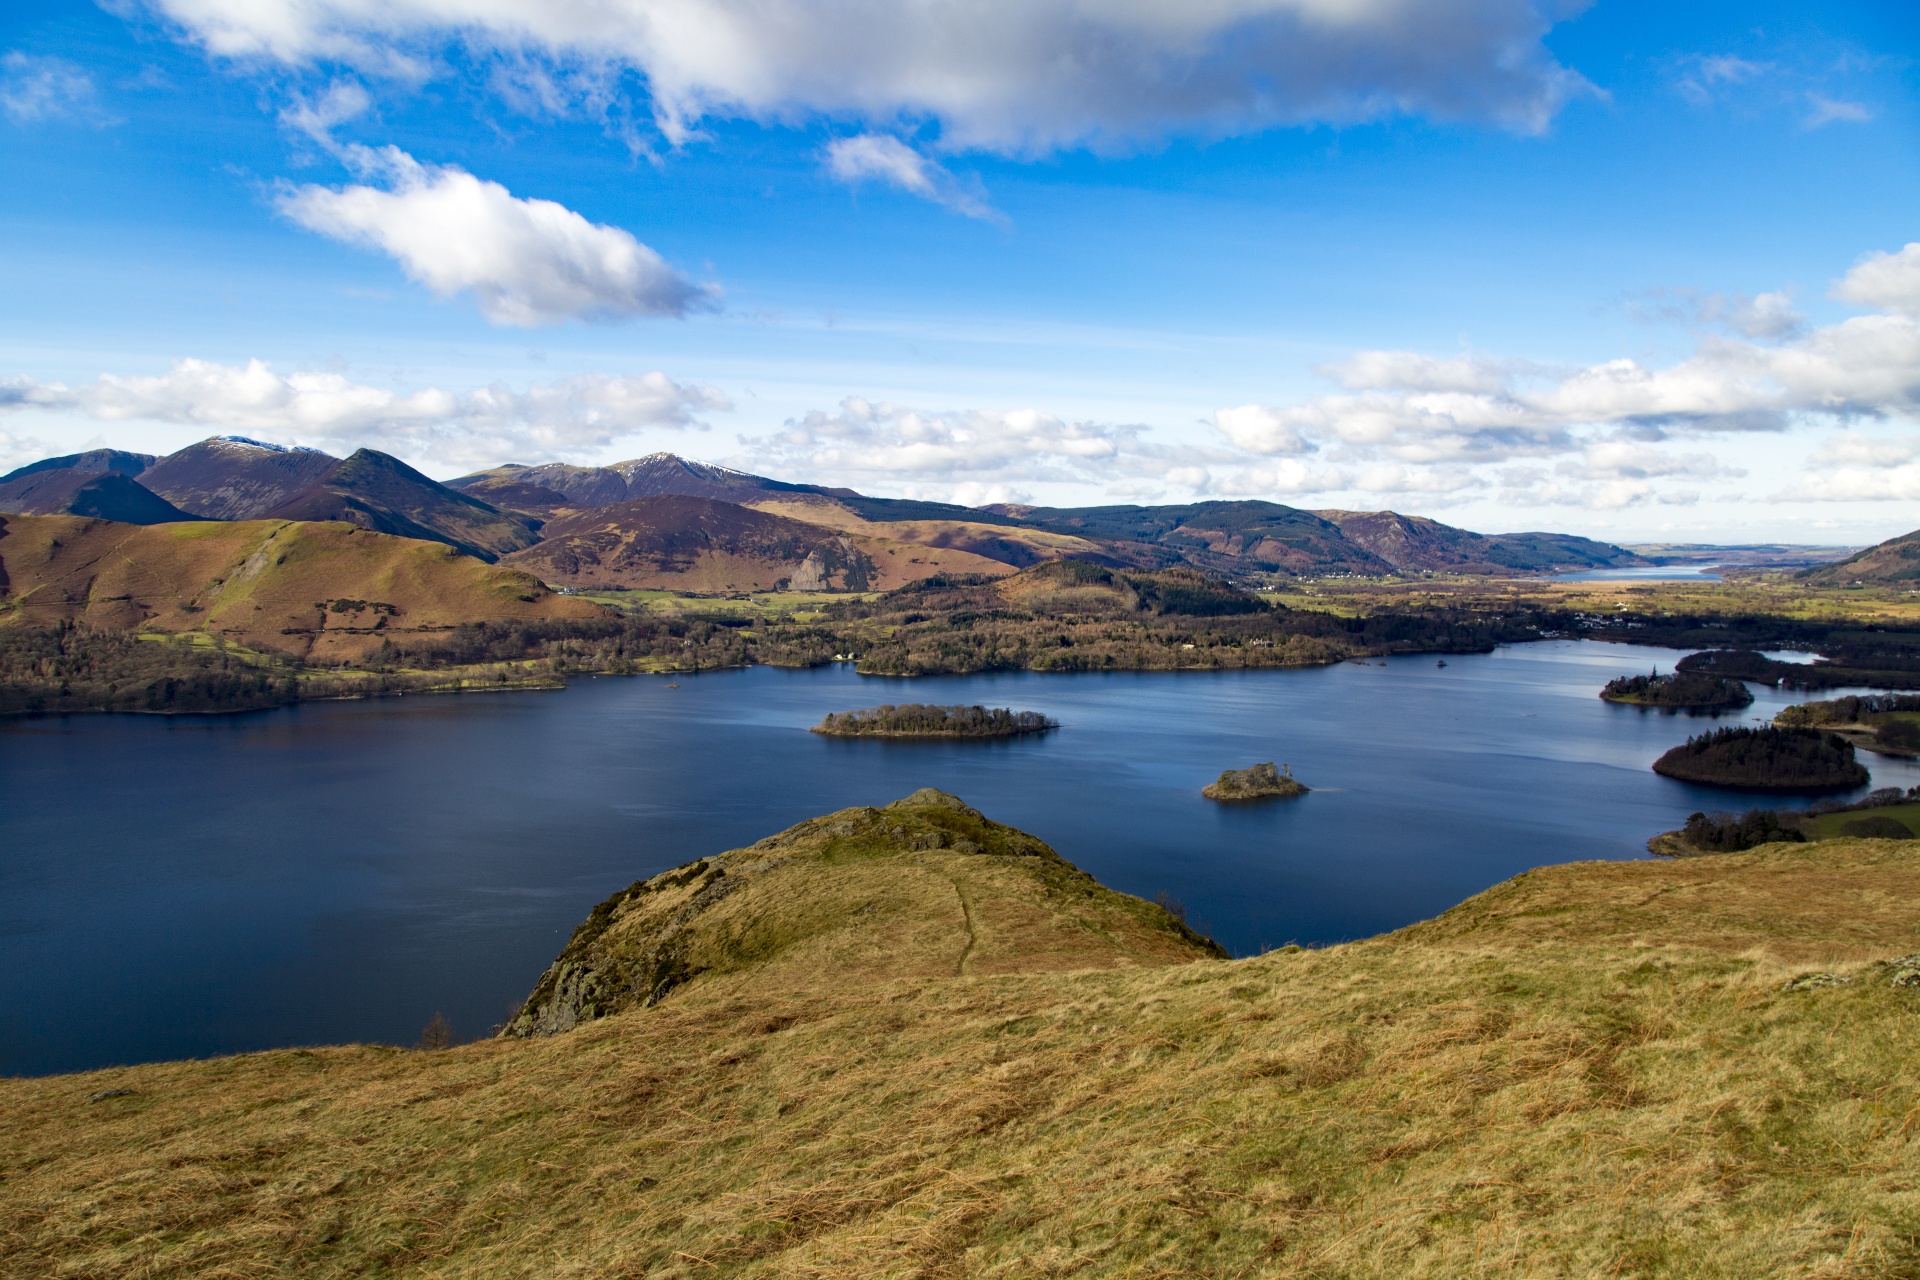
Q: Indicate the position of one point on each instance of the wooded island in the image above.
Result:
(922, 720)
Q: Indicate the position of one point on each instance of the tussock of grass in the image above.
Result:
(1590, 1070)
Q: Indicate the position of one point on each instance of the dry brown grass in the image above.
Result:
(255, 582)
(1589, 1071)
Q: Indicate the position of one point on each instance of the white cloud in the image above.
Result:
(526, 262)
(33, 89)
(1857, 484)
(886, 158)
(555, 421)
(1859, 448)
(1602, 427)
(1704, 77)
(1884, 281)
(317, 118)
(1258, 429)
(1768, 315)
(1824, 110)
(1014, 76)
(897, 445)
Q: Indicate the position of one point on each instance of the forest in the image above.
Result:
(1679, 691)
(74, 667)
(1727, 833)
(1808, 761)
(923, 720)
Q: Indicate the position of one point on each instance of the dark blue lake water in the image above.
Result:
(339, 872)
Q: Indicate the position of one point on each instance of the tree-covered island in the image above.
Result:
(1679, 691)
(1802, 761)
(1886, 723)
(922, 720)
(1261, 782)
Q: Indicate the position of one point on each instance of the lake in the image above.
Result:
(341, 871)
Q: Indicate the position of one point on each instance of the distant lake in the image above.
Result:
(1654, 573)
(341, 871)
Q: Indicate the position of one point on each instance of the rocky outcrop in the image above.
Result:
(1261, 782)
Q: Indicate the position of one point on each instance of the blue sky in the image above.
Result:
(1626, 269)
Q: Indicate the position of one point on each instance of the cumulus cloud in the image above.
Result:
(553, 421)
(1603, 433)
(1014, 76)
(900, 446)
(1884, 282)
(883, 157)
(35, 89)
(526, 262)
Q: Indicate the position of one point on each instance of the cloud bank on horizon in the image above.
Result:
(1406, 424)
(548, 422)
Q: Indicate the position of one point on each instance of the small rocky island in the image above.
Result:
(1261, 782)
(922, 720)
(1799, 761)
(1680, 691)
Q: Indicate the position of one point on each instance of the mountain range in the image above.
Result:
(665, 521)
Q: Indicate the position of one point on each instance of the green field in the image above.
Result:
(795, 606)
(1831, 826)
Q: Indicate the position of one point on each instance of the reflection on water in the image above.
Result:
(339, 872)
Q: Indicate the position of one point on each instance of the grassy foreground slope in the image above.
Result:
(266, 584)
(1592, 1069)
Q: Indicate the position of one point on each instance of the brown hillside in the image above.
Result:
(1895, 562)
(379, 492)
(1007, 544)
(70, 491)
(321, 591)
(1698, 1070)
(706, 545)
(231, 478)
(925, 887)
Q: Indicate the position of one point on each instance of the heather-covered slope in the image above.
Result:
(1695, 1069)
(1895, 562)
(1233, 537)
(319, 591)
(93, 461)
(379, 492)
(233, 478)
(703, 544)
(70, 491)
(1415, 544)
(656, 475)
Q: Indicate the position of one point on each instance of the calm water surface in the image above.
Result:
(339, 872)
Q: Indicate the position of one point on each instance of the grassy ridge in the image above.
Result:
(1592, 1069)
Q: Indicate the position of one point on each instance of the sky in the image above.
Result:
(1646, 272)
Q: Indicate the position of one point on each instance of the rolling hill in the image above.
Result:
(654, 476)
(906, 1040)
(501, 511)
(379, 492)
(1893, 563)
(704, 544)
(320, 592)
(1230, 537)
(1415, 544)
(105, 495)
(234, 478)
(93, 461)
